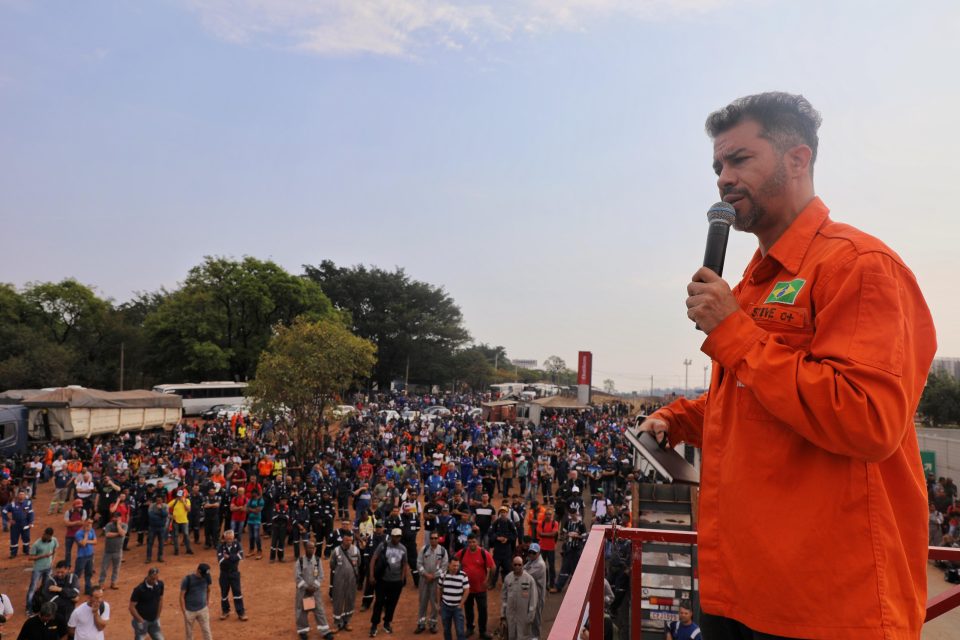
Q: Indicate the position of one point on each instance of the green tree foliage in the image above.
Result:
(940, 402)
(57, 334)
(410, 322)
(473, 369)
(216, 325)
(303, 370)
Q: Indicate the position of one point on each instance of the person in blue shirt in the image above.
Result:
(685, 628)
(434, 484)
(466, 466)
(451, 478)
(18, 516)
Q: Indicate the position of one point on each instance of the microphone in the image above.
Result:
(720, 216)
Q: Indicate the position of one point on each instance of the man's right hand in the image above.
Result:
(657, 427)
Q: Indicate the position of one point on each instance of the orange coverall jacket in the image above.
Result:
(813, 504)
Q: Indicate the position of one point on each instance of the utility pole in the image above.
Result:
(651, 387)
(406, 379)
(706, 368)
(686, 378)
(121, 366)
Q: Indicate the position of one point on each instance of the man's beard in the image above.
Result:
(755, 214)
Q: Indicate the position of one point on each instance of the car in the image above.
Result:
(343, 410)
(214, 411)
(229, 410)
(437, 410)
(386, 415)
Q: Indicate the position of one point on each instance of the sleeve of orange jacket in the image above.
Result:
(854, 390)
(685, 418)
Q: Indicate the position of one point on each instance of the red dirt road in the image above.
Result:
(268, 591)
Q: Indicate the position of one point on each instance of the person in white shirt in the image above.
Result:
(6, 607)
(88, 621)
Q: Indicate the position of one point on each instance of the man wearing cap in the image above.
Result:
(388, 573)
(430, 562)
(518, 601)
(599, 505)
(73, 518)
(308, 574)
(146, 604)
(537, 569)
(574, 501)
(194, 599)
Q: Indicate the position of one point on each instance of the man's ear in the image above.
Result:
(797, 160)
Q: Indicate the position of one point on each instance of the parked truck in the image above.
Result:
(30, 416)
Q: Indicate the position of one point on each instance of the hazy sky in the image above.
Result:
(543, 160)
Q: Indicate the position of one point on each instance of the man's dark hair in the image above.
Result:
(786, 119)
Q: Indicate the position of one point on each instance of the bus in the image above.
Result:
(201, 396)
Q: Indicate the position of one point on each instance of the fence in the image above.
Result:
(586, 587)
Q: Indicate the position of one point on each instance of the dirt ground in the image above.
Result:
(269, 594)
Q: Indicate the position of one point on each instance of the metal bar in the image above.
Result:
(943, 603)
(636, 590)
(586, 584)
(597, 607)
(944, 553)
(566, 626)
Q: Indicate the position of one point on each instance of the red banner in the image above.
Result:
(584, 367)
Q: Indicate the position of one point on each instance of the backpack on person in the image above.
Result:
(483, 552)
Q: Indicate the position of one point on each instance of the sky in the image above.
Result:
(544, 161)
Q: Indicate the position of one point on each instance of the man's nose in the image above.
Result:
(726, 179)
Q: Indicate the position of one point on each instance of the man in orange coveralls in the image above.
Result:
(812, 518)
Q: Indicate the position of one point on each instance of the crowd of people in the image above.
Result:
(450, 507)
(944, 521)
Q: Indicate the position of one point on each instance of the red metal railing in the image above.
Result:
(586, 586)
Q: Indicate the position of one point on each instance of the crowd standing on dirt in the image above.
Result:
(406, 492)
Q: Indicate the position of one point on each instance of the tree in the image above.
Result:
(305, 367)
(609, 386)
(940, 402)
(414, 325)
(56, 334)
(473, 368)
(554, 365)
(218, 322)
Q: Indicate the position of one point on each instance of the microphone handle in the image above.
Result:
(716, 250)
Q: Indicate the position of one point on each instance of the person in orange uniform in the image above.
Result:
(812, 507)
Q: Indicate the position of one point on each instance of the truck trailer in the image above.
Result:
(30, 416)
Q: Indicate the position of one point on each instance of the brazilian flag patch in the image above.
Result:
(786, 292)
